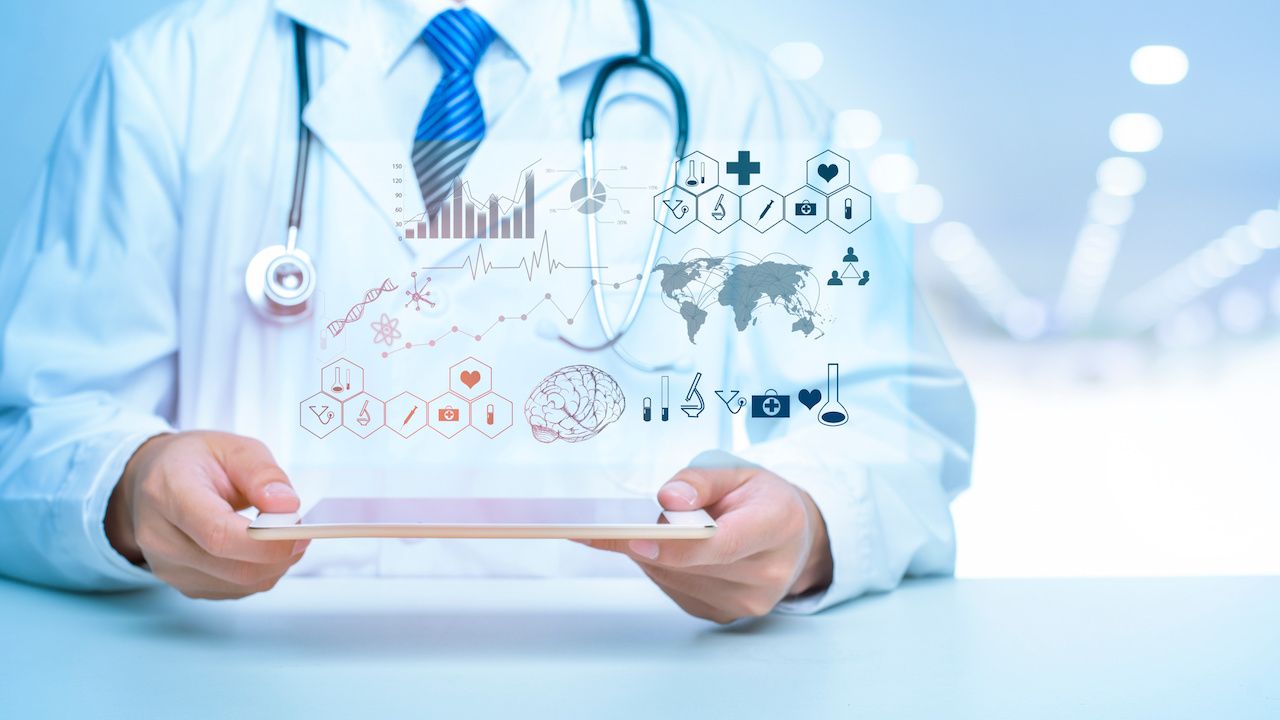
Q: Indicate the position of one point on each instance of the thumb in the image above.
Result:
(255, 477)
(694, 488)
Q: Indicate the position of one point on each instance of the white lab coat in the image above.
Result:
(124, 315)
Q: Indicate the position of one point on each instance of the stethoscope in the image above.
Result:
(281, 279)
(642, 60)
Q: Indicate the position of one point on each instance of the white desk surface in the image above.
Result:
(363, 648)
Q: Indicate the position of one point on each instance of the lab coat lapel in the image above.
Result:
(350, 114)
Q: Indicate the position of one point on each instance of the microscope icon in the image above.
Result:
(691, 407)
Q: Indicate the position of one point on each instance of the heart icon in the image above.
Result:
(809, 398)
(827, 171)
(469, 377)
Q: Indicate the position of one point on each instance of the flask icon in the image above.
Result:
(832, 413)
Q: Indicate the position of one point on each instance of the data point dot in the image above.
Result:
(478, 338)
(524, 317)
(431, 343)
(453, 329)
(570, 321)
(616, 286)
(547, 296)
(502, 318)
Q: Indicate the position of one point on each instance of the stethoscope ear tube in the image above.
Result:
(280, 280)
(643, 60)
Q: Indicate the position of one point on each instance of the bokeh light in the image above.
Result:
(920, 204)
(1121, 176)
(1189, 327)
(857, 129)
(951, 241)
(1136, 132)
(893, 172)
(1241, 311)
(797, 60)
(1158, 64)
(1110, 209)
(1026, 318)
(1264, 229)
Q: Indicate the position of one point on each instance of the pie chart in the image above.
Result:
(587, 195)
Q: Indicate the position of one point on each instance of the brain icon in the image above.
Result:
(573, 404)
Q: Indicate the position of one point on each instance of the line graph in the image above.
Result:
(568, 313)
(478, 263)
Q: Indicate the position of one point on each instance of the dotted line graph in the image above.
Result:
(568, 314)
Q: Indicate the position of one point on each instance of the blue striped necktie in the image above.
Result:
(452, 126)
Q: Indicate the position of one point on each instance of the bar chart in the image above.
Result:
(460, 216)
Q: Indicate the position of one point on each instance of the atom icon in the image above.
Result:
(386, 330)
(417, 295)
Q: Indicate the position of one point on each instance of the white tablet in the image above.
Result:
(566, 518)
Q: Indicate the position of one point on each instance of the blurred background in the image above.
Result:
(1095, 192)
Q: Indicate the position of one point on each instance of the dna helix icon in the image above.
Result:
(357, 311)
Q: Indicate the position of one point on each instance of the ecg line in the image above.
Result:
(479, 263)
(569, 318)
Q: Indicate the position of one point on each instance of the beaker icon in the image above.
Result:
(832, 413)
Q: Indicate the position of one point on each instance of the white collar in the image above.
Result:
(551, 37)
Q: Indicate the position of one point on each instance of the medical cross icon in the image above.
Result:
(744, 167)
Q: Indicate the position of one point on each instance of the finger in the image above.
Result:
(207, 518)
(254, 475)
(235, 573)
(731, 543)
(695, 488)
(696, 596)
(196, 584)
(740, 533)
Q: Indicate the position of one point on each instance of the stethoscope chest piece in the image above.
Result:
(280, 283)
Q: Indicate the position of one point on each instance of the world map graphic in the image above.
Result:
(744, 283)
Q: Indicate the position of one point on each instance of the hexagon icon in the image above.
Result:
(448, 414)
(850, 208)
(762, 208)
(805, 209)
(827, 171)
(674, 209)
(406, 414)
(719, 209)
(320, 414)
(492, 414)
(470, 378)
(342, 379)
(363, 414)
(697, 173)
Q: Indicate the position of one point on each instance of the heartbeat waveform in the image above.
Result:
(479, 263)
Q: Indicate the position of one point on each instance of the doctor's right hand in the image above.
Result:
(175, 508)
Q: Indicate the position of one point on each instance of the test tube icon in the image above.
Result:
(666, 398)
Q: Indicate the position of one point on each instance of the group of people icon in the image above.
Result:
(850, 271)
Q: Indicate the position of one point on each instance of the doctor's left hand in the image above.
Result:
(771, 544)
(175, 507)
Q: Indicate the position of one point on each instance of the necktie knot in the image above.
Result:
(458, 38)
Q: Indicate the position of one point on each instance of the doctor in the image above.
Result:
(143, 401)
